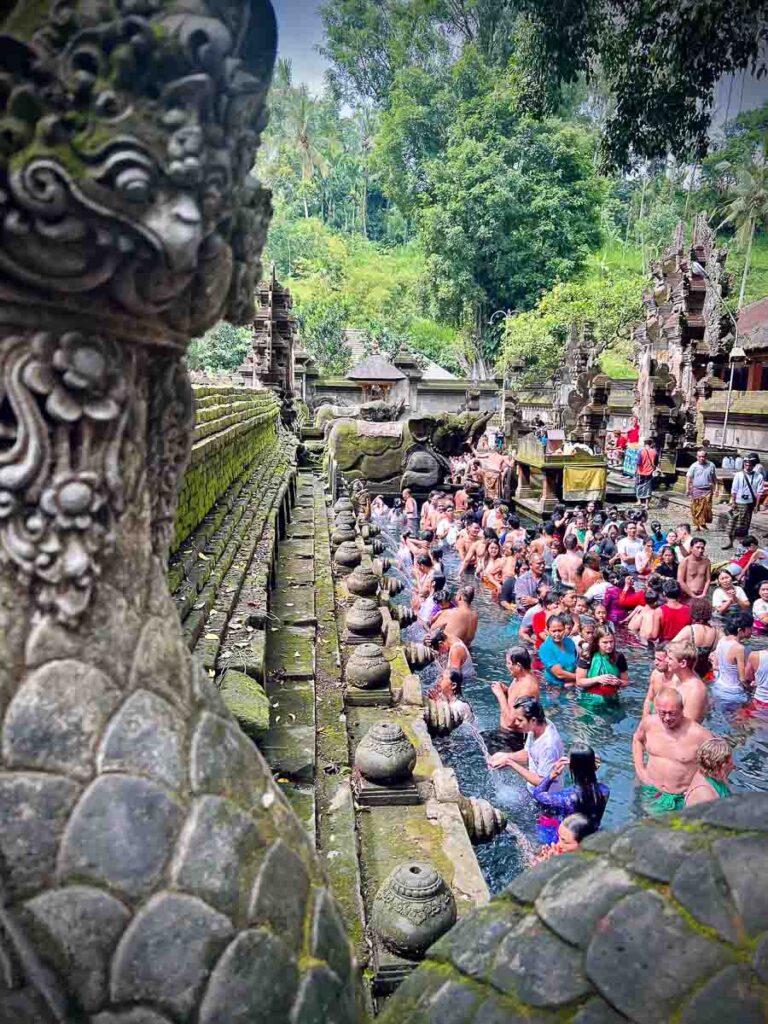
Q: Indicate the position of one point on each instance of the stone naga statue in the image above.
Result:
(150, 871)
(413, 453)
(374, 412)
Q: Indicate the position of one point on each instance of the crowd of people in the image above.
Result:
(586, 587)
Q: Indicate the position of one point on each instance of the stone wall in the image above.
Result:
(233, 426)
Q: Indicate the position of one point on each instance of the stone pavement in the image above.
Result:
(671, 509)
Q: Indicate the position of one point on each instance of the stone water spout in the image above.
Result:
(442, 717)
(149, 867)
(419, 656)
(482, 820)
(404, 614)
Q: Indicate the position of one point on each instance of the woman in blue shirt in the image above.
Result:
(586, 796)
(558, 654)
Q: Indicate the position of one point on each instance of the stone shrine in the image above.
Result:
(271, 358)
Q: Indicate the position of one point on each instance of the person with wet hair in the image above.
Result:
(645, 620)
(681, 659)
(585, 796)
(462, 620)
(674, 614)
(714, 764)
(571, 832)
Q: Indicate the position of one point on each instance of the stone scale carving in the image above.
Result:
(150, 871)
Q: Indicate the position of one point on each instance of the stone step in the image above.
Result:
(294, 604)
(291, 652)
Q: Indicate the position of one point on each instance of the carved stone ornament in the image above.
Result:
(150, 869)
(344, 505)
(364, 618)
(342, 534)
(367, 667)
(363, 582)
(412, 909)
(346, 557)
(385, 754)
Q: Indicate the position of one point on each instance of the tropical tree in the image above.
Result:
(747, 209)
(306, 139)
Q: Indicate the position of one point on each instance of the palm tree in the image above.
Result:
(748, 208)
(303, 124)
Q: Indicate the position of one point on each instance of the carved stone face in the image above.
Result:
(127, 133)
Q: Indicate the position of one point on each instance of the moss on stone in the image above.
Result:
(247, 701)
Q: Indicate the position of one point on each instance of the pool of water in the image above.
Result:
(609, 731)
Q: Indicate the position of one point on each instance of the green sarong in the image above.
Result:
(656, 802)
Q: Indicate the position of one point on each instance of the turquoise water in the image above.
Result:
(609, 731)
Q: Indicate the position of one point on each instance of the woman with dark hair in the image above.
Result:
(702, 634)
(604, 672)
(667, 566)
(729, 658)
(571, 832)
(586, 796)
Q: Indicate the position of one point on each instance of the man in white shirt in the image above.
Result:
(628, 547)
(543, 746)
(746, 491)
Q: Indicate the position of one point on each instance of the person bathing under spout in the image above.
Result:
(671, 742)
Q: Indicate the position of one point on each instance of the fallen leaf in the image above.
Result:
(202, 557)
(211, 636)
(268, 799)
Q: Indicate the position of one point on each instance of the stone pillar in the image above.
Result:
(146, 858)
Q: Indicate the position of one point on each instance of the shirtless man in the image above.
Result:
(524, 684)
(681, 657)
(661, 677)
(468, 536)
(645, 620)
(475, 553)
(695, 570)
(410, 508)
(567, 563)
(671, 741)
(462, 620)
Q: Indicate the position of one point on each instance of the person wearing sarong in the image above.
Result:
(671, 742)
(700, 483)
(746, 491)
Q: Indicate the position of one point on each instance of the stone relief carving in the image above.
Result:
(149, 867)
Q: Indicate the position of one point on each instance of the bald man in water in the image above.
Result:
(670, 740)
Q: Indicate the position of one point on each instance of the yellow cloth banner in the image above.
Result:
(584, 483)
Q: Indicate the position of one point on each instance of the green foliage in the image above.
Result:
(660, 58)
(322, 322)
(220, 349)
(608, 299)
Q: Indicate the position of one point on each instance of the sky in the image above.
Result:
(300, 31)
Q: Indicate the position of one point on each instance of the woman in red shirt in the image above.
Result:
(674, 614)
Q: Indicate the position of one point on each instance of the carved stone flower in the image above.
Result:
(72, 500)
(7, 504)
(79, 374)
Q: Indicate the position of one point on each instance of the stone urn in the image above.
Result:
(367, 668)
(348, 518)
(341, 535)
(363, 582)
(482, 820)
(364, 620)
(412, 909)
(346, 557)
(367, 529)
(385, 754)
(343, 505)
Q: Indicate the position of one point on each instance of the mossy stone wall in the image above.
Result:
(233, 427)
